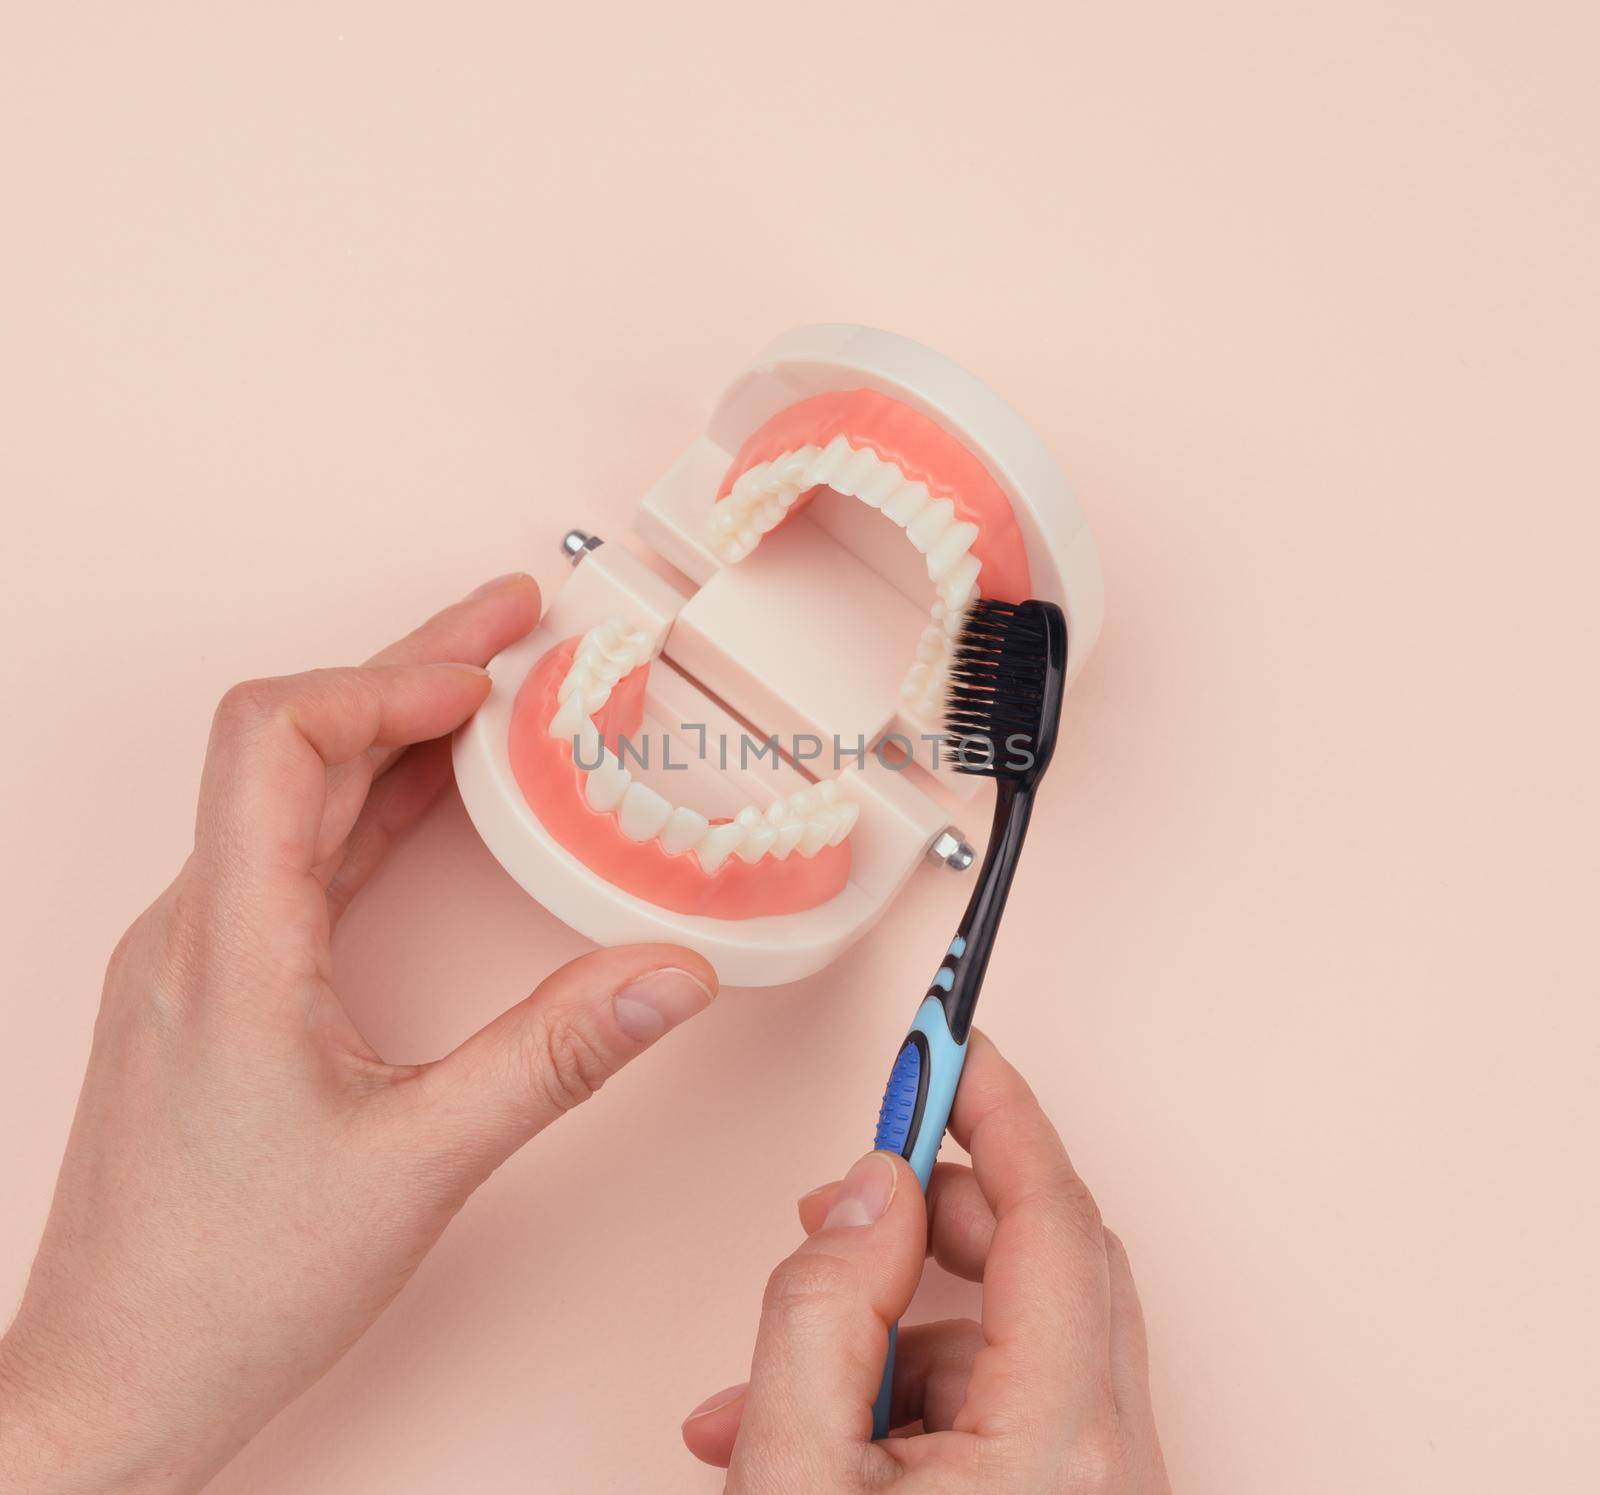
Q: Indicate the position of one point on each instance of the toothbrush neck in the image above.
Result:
(975, 936)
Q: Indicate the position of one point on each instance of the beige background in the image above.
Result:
(312, 316)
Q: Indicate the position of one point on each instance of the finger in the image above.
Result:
(552, 1051)
(1130, 1372)
(1046, 1290)
(960, 1222)
(397, 801)
(824, 1334)
(471, 631)
(344, 797)
(710, 1430)
(931, 1366)
(1130, 1356)
(265, 784)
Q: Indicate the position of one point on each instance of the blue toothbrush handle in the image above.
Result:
(915, 1112)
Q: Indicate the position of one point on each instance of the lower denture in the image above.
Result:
(793, 856)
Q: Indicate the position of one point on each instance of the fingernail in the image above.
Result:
(717, 1402)
(477, 672)
(646, 1008)
(497, 583)
(865, 1193)
(812, 1193)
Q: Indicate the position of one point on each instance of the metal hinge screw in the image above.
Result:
(577, 543)
(950, 846)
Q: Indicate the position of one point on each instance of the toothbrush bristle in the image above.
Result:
(1005, 688)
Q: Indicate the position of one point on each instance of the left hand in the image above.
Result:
(247, 1183)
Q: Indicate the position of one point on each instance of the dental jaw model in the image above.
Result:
(813, 555)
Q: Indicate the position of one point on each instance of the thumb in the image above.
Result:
(555, 1048)
(824, 1334)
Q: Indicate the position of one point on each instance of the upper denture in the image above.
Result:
(889, 456)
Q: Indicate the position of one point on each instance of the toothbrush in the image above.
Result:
(1007, 673)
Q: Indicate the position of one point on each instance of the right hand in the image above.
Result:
(1050, 1392)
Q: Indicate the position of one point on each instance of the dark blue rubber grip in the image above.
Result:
(899, 1100)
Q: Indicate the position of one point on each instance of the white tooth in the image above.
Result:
(725, 518)
(828, 791)
(788, 837)
(953, 623)
(859, 470)
(769, 517)
(790, 470)
(804, 801)
(847, 812)
(959, 581)
(606, 784)
(916, 677)
(756, 841)
(777, 812)
(748, 539)
(600, 660)
(951, 546)
(932, 522)
(578, 678)
(910, 690)
(598, 645)
(596, 699)
(749, 816)
(569, 719)
(931, 645)
(880, 485)
(642, 812)
(815, 836)
(716, 846)
(909, 500)
(834, 455)
(750, 482)
(683, 829)
(586, 744)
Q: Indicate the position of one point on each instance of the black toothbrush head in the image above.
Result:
(1004, 700)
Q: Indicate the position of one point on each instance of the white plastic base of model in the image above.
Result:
(750, 639)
